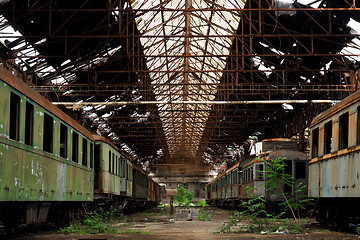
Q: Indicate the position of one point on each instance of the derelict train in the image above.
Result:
(51, 166)
(334, 167)
(229, 187)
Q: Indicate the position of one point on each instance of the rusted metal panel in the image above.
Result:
(336, 177)
(352, 99)
(43, 212)
(31, 215)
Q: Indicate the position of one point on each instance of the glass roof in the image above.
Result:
(185, 60)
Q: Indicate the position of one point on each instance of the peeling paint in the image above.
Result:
(61, 181)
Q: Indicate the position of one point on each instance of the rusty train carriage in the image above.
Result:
(229, 187)
(145, 190)
(334, 165)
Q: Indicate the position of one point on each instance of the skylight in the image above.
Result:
(184, 59)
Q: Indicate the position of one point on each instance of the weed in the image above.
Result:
(204, 215)
(298, 202)
(95, 222)
(358, 232)
(202, 203)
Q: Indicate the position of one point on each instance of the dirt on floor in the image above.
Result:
(157, 224)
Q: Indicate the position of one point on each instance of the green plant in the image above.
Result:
(298, 202)
(95, 222)
(358, 232)
(254, 211)
(276, 178)
(204, 215)
(183, 196)
(202, 203)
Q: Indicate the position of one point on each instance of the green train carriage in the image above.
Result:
(46, 158)
(113, 172)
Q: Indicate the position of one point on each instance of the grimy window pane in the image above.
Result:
(315, 143)
(48, 133)
(327, 137)
(63, 140)
(29, 124)
(91, 155)
(75, 146)
(343, 130)
(109, 161)
(14, 116)
(84, 152)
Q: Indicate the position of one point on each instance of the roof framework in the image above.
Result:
(168, 81)
(176, 75)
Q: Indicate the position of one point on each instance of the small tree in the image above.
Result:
(298, 202)
(276, 178)
(183, 196)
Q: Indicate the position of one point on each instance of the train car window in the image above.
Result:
(75, 146)
(14, 116)
(327, 137)
(109, 161)
(300, 170)
(29, 123)
(343, 130)
(358, 126)
(48, 133)
(97, 157)
(122, 167)
(63, 140)
(315, 143)
(260, 171)
(113, 163)
(247, 175)
(117, 165)
(91, 155)
(288, 168)
(84, 152)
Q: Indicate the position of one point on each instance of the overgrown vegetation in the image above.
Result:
(201, 203)
(357, 230)
(96, 222)
(204, 215)
(183, 197)
(254, 211)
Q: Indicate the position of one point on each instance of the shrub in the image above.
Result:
(204, 215)
(183, 196)
(95, 222)
(201, 203)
